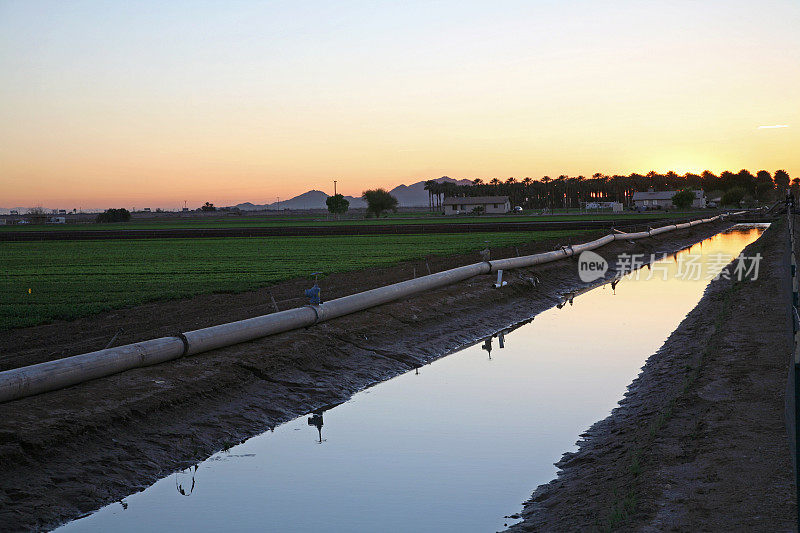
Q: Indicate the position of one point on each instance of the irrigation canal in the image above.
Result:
(454, 446)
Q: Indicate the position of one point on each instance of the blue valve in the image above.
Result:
(314, 294)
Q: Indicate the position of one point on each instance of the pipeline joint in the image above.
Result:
(185, 342)
(316, 313)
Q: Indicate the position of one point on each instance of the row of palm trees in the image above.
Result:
(572, 192)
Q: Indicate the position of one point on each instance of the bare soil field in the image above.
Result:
(365, 228)
(68, 452)
(699, 442)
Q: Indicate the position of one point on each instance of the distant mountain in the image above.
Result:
(307, 200)
(413, 195)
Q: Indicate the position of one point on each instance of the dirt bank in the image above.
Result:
(68, 452)
(698, 443)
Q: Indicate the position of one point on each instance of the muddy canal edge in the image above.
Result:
(66, 453)
(698, 442)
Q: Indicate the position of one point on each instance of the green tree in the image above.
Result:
(378, 201)
(113, 215)
(764, 185)
(683, 199)
(337, 204)
(781, 181)
(208, 206)
(733, 196)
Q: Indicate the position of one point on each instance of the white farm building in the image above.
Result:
(663, 199)
(486, 204)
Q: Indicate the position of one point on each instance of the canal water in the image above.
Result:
(454, 446)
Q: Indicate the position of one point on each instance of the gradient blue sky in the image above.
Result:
(150, 103)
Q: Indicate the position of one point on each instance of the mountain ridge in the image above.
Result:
(413, 195)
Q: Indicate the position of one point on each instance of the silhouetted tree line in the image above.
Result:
(571, 192)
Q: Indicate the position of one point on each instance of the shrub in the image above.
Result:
(733, 196)
(683, 199)
(378, 201)
(113, 215)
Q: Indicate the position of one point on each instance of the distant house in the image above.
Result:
(614, 206)
(663, 199)
(485, 204)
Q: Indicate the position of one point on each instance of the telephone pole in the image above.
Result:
(334, 187)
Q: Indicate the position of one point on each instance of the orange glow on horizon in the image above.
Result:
(119, 106)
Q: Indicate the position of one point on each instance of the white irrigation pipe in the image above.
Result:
(52, 375)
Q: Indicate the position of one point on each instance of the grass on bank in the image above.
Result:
(50, 280)
(322, 220)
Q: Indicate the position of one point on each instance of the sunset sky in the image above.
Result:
(152, 103)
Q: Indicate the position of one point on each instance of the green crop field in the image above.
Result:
(50, 280)
(310, 220)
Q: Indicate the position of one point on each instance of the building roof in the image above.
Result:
(473, 200)
(660, 195)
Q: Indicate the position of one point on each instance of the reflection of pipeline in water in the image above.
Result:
(569, 297)
(43, 377)
(316, 419)
(487, 345)
(501, 336)
(179, 485)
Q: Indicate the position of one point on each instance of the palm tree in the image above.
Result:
(429, 185)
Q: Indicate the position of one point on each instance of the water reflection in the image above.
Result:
(501, 337)
(184, 481)
(569, 297)
(316, 418)
(487, 346)
(389, 461)
(316, 421)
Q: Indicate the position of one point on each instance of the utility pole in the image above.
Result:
(334, 187)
